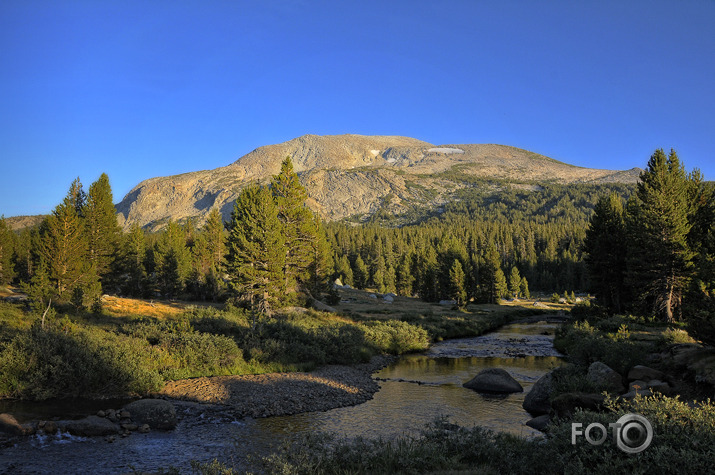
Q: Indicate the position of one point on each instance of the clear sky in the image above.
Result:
(148, 88)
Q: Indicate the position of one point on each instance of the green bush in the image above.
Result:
(65, 360)
(395, 337)
(182, 352)
(584, 345)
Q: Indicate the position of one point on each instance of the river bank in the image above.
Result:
(280, 394)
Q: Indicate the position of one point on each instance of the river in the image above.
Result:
(413, 391)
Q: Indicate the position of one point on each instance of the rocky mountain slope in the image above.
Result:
(349, 175)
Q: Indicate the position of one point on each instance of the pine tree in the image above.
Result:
(456, 279)
(256, 249)
(173, 260)
(605, 245)
(215, 239)
(660, 261)
(524, 288)
(514, 282)
(133, 257)
(500, 286)
(103, 232)
(403, 278)
(7, 244)
(26, 247)
(299, 229)
(361, 273)
(63, 245)
(428, 271)
(321, 265)
(344, 271)
(493, 281)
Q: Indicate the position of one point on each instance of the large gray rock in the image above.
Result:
(90, 426)
(157, 413)
(604, 377)
(494, 380)
(644, 373)
(537, 399)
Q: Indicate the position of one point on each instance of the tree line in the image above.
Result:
(272, 251)
(654, 254)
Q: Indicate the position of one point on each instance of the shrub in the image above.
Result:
(584, 345)
(395, 337)
(64, 360)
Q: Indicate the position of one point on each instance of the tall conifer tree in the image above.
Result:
(660, 261)
(103, 232)
(605, 245)
(6, 252)
(256, 249)
(299, 228)
(63, 244)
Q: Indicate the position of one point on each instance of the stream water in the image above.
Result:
(413, 391)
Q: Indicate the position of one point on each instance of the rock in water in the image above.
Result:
(537, 399)
(90, 426)
(157, 413)
(494, 380)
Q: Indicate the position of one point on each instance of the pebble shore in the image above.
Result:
(280, 394)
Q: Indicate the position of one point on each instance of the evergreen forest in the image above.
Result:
(647, 249)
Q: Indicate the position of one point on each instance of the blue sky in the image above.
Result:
(139, 89)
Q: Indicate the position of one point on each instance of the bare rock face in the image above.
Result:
(348, 175)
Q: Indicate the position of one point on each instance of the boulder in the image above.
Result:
(536, 400)
(10, 425)
(565, 404)
(644, 373)
(494, 380)
(50, 427)
(388, 298)
(157, 413)
(604, 377)
(90, 426)
(539, 423)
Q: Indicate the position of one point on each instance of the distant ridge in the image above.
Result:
(348, 175)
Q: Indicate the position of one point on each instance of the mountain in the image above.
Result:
(352, 175)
